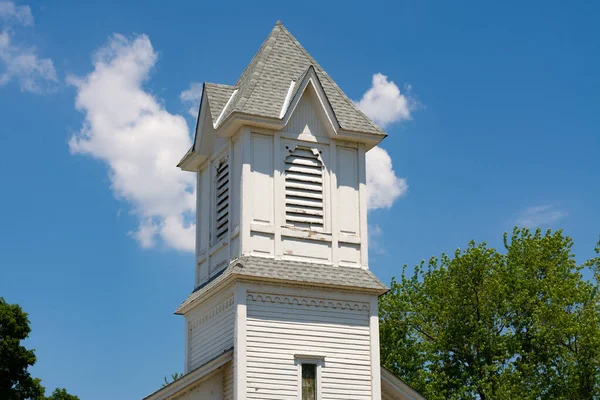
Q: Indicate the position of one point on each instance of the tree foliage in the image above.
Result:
(16, 383)
(488, 325)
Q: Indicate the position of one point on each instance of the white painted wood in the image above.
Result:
(210, 330)
(305, 250)
(347, 190)
(262, 244)
(262, 179)
(281, 326)
(311, 80)
(240, 366)
(278, 195)
(308, 117)
(375, 360)
(286, 102)
(335, 209)
(349, 254)
(225, 108)
(209, 389)
(246, 192)
(206, 380)
(362, 193)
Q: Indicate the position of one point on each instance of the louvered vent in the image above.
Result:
(304, 189)
(222, 201)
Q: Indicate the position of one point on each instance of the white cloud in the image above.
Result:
(540, 215)
(129, 129)
(383, 186)
(191, 98)
(21, 62)
(375, 235)
(384, 103)
(17, 14)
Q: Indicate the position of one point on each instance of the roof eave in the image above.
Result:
(192, 161)
(238, 277)
(192, 379)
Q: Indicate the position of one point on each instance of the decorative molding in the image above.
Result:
(212, 313)
(307, 301)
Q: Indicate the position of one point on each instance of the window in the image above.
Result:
(221, 224)
(309, 376)
(309, 381)
(304, 189)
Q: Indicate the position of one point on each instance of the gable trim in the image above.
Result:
(286, 102)
(216, 123)
(312, 79)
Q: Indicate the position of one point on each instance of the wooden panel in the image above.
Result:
(211, 333)
(347, 178)
(203, 213)
(307, 249)
(236, 172)
(262, 179)
(280, 327)
(262, 243)
(201, 272)
(349, 254)
(219, 260)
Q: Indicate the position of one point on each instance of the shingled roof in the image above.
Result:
(263, 86)
(287, 271)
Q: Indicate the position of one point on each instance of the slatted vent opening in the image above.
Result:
(222, 201)
(304, 189)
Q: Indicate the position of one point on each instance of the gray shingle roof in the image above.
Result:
(264, 84)
(296, 272)
(218, 96)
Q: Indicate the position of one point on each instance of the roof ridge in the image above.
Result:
(321, 69)
(220, 85)
(265, 59)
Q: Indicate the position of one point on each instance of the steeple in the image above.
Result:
(284, 304)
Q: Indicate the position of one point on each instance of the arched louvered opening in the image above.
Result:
(222, 200)
(304, 189)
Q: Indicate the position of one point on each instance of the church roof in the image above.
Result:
(263, 87)
(287, 271)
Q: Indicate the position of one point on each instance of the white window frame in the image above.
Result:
(319, 362)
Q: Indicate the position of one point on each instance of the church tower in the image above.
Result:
(284, 305)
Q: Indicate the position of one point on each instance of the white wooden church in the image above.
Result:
(284, 305)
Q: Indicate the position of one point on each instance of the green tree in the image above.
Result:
(61, 394)
(488, 325)
(16, 383)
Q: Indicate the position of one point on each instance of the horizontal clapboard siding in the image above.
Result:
(279, 327)
(211, 334)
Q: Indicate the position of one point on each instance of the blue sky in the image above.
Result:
(503, 129)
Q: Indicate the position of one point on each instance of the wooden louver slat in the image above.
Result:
(304, 189)
(222, 201)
